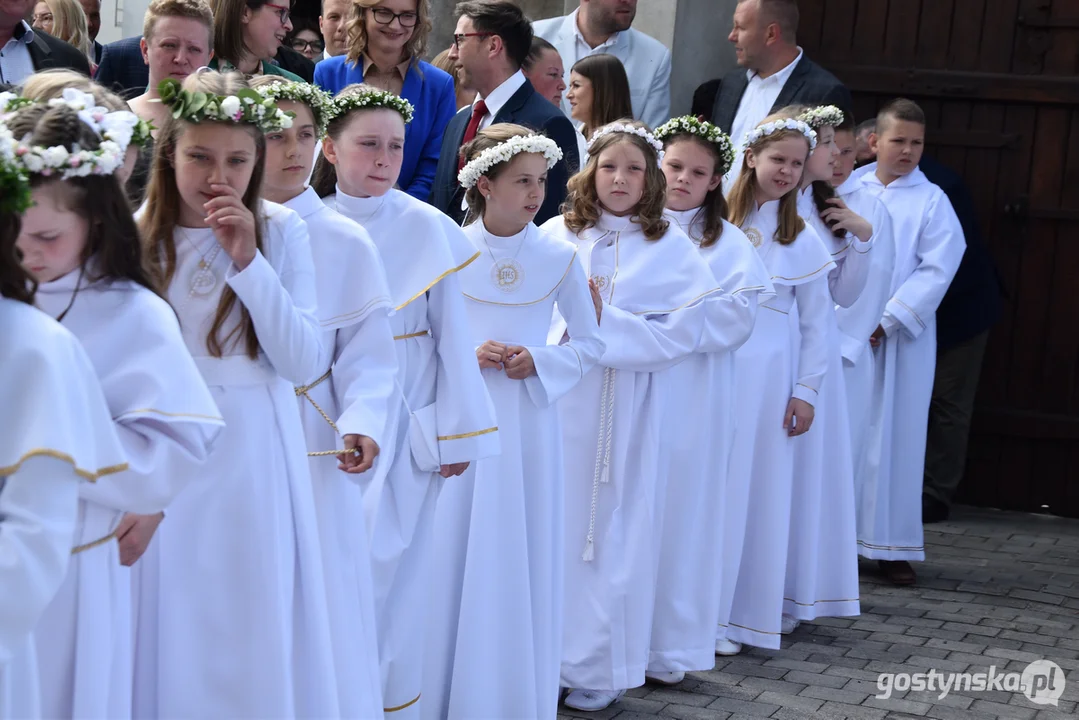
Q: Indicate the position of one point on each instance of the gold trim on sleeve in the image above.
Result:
(408, 704)
(911, 311)
(434, 282)
(463, 436)
(354, 313)
(769, 307)
(530, 302)
(802, 277)
(747, 289)
(808, 388)
(422, 333)
(91, 475)
(684, 305)
(154, 411)
(96, 543)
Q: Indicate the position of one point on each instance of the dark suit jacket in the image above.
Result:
(99, 50)
(525, 107)
(123, 70)
(973, 302)
(809, 84)
(47, 52)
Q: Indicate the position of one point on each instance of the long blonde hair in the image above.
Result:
(582, 208)
(742, 198)
(356, 27)
(163, 204)
(70, 25)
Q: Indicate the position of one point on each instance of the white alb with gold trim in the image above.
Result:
(443, 416)
(167, 422)
(57, 435)
(769, 374)
(654, 314)
(499, 560)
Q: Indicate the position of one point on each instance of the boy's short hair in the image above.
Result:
(502, 18)
(899, 109)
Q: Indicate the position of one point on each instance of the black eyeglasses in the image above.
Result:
(385, 16)
(301, 45)
(461, 37)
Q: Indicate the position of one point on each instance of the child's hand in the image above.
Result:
(876, 338)
(453, 469)
(597, 301)
(491, 355)
(233, 225)
(843, 218)
(134, 534)
(519, 363)
(798, 417)
(353, 463)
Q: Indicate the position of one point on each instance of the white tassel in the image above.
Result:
(605, 477)
(589, 551)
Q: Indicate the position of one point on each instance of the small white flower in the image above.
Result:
(230, 106)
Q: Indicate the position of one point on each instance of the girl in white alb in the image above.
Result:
(57, 434)
(702, 502)
(496, 634)
(348, 402)
(232, 617)
(822, 560)
(775, 393)
(80, 243)
(442, 417)
(653, 285)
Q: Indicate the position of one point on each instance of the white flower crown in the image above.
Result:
(14, 183)
(704, 130)
(370, 99)
(822, 116)
(114, 128)
(629, 130)
(504, 152)
(755, 135)
(320, 101)
(246, 106)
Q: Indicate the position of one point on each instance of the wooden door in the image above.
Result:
(998, 82)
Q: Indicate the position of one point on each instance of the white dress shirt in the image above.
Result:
(15, 62)
(760, 96)
(499, 97)
(647, 62)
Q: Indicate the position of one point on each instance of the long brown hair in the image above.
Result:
(356, 27)
(163, 203)
(486, 139)
(228, 33)
(582, 208)
(742, 198)
(713, 211)
(112, 236)
(820, 190)
(15, 283)
(611, 98)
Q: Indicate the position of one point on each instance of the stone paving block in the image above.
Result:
(836, 661)
(690, 712)
(792, 714)
(795, 702)
(818, 644)
(676, 696)
(1038, 597)
(780, 686)
(902, 705)
(645, 706)
(928, 663)
(1035, 638)
(972, 629)
(815, 679)
(994, 709)
(803, 665)
(854, 712)
(956, 645)
(718, 677)
(939, 633)
(948, 712)
(640, 692)
(610, 712)
(894, 638)
(751, 709)
(633, 715)
(851, 673)
(932, 697)
(1020, 655)
(850, 697)
(740, 668)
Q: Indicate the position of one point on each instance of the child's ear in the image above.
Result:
(484, 186)
(874, 142)
(329, 150)
(751, 159)
(716, 180)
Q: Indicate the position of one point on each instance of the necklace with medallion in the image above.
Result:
(204, 280)
(506, 274)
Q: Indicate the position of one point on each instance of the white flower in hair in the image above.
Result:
(629, 130)
(504, 152)
(759, 133)
(822, 116)
(231, 106)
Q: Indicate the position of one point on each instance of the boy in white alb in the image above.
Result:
(929, 245)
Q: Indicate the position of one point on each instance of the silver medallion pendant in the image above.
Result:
(754, 236)
(507, 275)
(204, 280)
(601, 278)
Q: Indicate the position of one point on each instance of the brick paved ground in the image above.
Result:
(997, 589)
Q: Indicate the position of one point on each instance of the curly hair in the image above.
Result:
(582, 208)
(742, 198)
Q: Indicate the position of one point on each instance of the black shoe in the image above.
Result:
(933, 510)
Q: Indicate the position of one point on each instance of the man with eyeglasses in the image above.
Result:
(491, 44)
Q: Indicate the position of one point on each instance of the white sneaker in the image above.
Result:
(788, 624)
(665, 678)
(593, 700)
(727, 647)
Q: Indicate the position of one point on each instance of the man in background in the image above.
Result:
(332, 23)
(92, 8)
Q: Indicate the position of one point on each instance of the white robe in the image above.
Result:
(231, 600)
(822, 555)
(496, 633)
(769, 375)
(57, 433)
(443, 415)
(353, 310)
(860, 320)
(167, 422)
(697, 433)
(654, 313)
(929, 247)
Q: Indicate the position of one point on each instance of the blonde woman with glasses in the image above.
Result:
(65, 20)
(386, 39)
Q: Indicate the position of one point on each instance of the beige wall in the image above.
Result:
(695, 30)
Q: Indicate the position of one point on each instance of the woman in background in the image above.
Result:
(66, 20)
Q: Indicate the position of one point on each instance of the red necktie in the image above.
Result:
(478, 111)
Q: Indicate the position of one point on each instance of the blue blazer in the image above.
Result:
(434, 98)
(525, 107)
